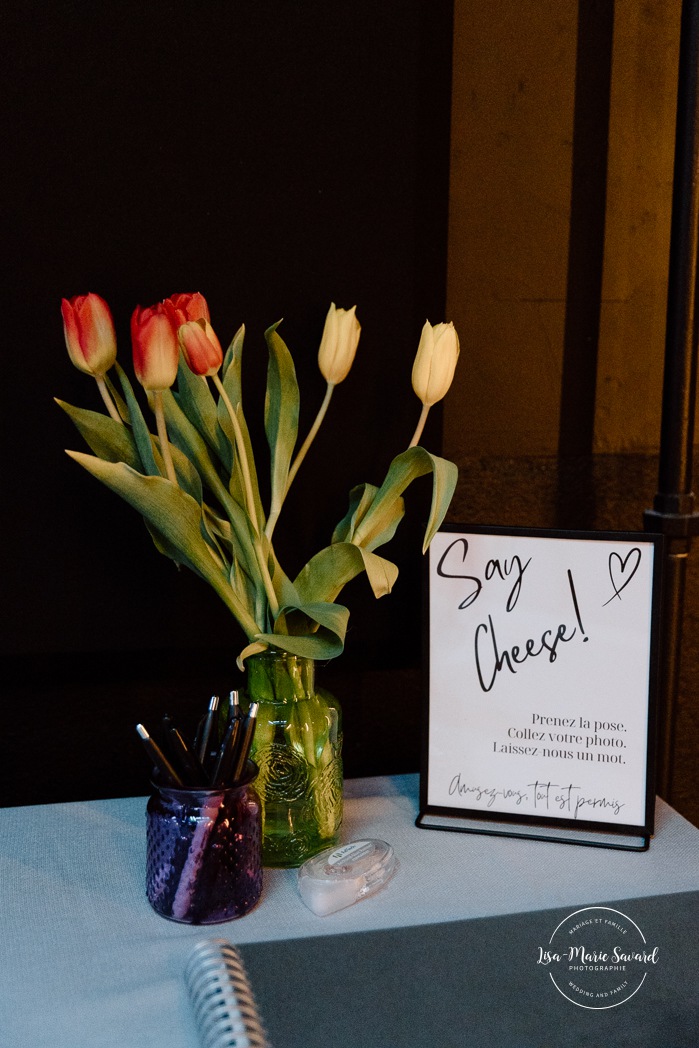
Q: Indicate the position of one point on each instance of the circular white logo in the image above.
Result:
(598, 958)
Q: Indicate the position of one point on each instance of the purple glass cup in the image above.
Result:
(204, 855)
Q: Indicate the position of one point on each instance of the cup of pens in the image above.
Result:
(204, 821)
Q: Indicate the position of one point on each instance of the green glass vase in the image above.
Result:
(298, 749)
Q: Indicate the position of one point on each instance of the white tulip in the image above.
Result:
(435, 362)
(338, 344)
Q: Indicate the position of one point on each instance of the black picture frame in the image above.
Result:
(625, 648)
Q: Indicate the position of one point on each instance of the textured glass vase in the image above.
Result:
(204, 855)
(298, 749)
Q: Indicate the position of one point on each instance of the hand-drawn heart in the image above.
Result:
(624, 572)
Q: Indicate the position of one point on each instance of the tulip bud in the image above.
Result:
(200, 346)
(338, 344)
(155, 348)
(435, 362)
(89, 333)
(187, 306)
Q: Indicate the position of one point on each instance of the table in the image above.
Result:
(88, 963)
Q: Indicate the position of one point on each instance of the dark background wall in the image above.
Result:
(505, 165)
(274, 156)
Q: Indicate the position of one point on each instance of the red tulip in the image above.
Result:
(188, 307)
(89, 333)
(200, 346)
(155, 348)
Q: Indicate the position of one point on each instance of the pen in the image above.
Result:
(234, 704)
(202, 743)
(226, 753)
(186, 759)
(248, 731)
(158, 757)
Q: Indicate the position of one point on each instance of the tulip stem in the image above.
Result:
(242, 457)
(109, 403)
(274, 512)
(162, 434)
(421, 425)
(249, 498)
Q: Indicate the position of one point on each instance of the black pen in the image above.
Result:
(234, 704)
(226, 753)
(185, 758)
(245, 743)
(204, 736)
(172, 750)
(158, 757)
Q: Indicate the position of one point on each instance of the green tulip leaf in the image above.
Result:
(168, 550)
(252, 649)
(234, 353)
(188, 439)
(165, 547)
(331, 569)
(213, 527)
(187, 476)
(245, 585)
(178, 518)
(218, 535)
(283, 587)
(406, 467)
(361, 498)
(281, 414)
(106, 437)
(328, 623)
(197, 402)
(385, 521)
(117, 398)
(139, 427)
(220, 528)
(192, 444)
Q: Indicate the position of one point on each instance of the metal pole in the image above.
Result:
(673, 506)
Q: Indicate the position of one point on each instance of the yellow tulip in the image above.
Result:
(338, 344)
(435, 362)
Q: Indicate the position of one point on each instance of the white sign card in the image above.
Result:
(541, 674)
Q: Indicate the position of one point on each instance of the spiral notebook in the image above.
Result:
(462, 984)
(224, 1006)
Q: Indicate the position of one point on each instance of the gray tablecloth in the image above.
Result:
(86, 962)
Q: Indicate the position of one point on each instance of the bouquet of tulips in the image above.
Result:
(195, 479)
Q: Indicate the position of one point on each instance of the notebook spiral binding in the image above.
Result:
(224, 1007)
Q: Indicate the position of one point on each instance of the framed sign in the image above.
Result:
(541, 666)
